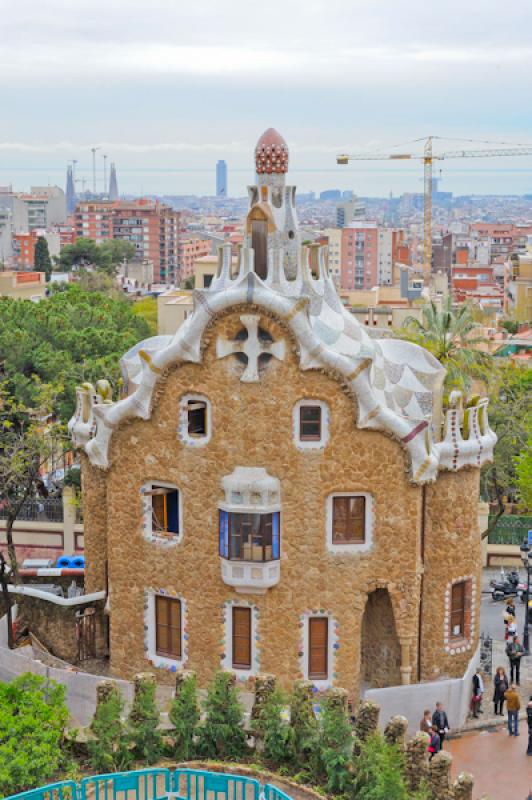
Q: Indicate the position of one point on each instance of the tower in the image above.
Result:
(221, 179)
(113, 184)
(71, 198)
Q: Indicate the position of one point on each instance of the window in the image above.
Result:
(249, 537)
(197, 418)
(349, 519)
(460, 617)
(318, 648)
(164, 509)
(309, 423)
(168, 627)
(241, 626)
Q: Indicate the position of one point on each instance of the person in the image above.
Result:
(478, 693)
(439, 719)
(435, 742)
(513, 704)
(500, 686)
(529, 721)
(426, 723)
(511, 628)
(509, 614)
(514, 651)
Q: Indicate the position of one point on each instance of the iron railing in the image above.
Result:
(49, 509)
(510, 529)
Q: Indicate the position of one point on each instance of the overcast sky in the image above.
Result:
(166, 87)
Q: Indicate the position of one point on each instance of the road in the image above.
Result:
(491, 617)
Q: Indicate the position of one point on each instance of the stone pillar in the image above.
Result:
(395, 730)
(301, 703)
(416, 761)
(69, 519)
(264, 688)
(439, 778)
(406, 666)
(105, 690)
(181, 677)
(142, 680)
(366, 720)
(463, 787)
(338, 697)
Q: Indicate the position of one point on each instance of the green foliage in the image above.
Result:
(222, 733)
(335, 746)
(276, 732)
(523, 469)
(33, 715)
(42, 261)
(189, 282)
(379, 773)
(184, 716)
(108, 751)
(147, 309)
(510, 325)
(143, 725)
(104, 257)
(449, 334)
(304, 726)
(72, 337)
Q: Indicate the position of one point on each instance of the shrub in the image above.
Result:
(143, 724)
(184, 715)
(276, 733)
(379, 772)
(33, 715)
(304, 725)
(222, 734)
(335, 746)
(108, 751)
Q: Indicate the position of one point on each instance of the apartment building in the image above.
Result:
(39, 209)
(190, 248)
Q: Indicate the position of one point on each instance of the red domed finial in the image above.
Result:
(271, 153)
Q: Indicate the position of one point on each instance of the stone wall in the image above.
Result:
(55, 626)
(252, 426)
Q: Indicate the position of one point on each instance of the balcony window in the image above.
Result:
(249, 537)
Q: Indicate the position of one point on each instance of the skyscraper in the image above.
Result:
(221, 179)
(113, 184)
(70, 190)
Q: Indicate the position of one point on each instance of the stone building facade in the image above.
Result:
(278, 492)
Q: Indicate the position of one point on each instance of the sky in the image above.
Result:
(166, 88)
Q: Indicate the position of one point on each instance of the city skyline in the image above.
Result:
(161, 97)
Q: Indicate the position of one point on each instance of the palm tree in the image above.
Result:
(449, 334)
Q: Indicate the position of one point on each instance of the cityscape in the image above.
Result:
(265, 403)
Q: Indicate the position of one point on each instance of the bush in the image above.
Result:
(33, 715)
(108, 751)
(304, 726)
(143, 724)
(276, 733)
(222, 734)
(335, 746)
(379, 772)
(184, 715)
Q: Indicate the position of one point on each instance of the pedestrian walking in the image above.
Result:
(435, 742)
(513, 704)
(478, 693)
(514, 651)
(529, 721)
(439, 719)
(426, 723)
(509, 614)
(501, 684)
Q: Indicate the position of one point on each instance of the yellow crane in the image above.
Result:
(428, 158)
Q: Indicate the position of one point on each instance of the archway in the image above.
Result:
(380, 658)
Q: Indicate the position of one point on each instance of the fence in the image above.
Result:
(49, 509)
(157, 784)
(510, 529)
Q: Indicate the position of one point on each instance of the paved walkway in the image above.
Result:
(499, 763)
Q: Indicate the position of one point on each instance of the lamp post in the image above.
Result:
(526, 556)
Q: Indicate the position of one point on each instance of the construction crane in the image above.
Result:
(428, 158)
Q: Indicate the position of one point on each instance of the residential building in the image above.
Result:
(24, 246)
(6, 244)
(334, 255)
(41, 208)
(348, 210)
(190, 248)
(518, 286)
(221, 179)
(287, 492)
(476, 284)
(23, 285)
(359, 269)
(152, 227)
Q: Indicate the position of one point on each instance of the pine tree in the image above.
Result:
(184, 715)
(143, 724)
(222, 734)
(335, 745)
(276, 733)
(108, 751)
(42, 261)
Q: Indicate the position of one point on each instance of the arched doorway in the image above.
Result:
(380, 658)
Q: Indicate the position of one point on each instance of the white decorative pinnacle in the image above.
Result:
(252, 347)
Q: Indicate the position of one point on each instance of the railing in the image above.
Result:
(157, 784)
(49, 509)
(510, 529)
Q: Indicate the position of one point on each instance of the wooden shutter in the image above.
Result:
(349, 520)
(241, 637)
(318, 647)
(168, 626)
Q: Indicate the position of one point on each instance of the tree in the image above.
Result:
(335, 745)
(42, 261)
(104, 257)
(83, 253)
(108, 750)
(379, 773)
(147, 309)
(143, 724)
(523, 469)
(275, 731)
(28, 441)
(449, 335)
(222, 733)
(33, 716)
(184, 716)
(113, 252)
